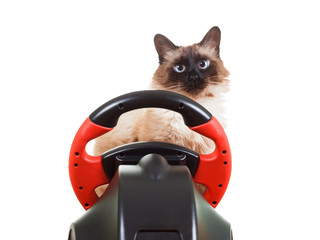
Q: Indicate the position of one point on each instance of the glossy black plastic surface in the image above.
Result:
(131, 154)
(151, 200)
(192, 112)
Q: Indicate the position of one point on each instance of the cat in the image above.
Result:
(195, 71)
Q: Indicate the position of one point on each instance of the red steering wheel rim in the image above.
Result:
(86, 171)
(214, 169)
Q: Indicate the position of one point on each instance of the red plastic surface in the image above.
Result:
(215, 168)
(86, 172)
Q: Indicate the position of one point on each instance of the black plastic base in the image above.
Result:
(151, 201)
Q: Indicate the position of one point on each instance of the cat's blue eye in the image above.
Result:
(203, 64)
(179, 68)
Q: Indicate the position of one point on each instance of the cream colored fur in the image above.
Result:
(163, 125)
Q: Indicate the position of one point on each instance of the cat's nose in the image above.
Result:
(193, 76)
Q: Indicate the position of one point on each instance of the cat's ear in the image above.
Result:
(212, 39)
(163, 45)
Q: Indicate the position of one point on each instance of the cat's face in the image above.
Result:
(190, 70)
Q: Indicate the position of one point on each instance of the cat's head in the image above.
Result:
(193, 70)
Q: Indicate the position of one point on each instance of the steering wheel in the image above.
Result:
(88, 172)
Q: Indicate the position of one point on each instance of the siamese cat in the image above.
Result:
(195, 71)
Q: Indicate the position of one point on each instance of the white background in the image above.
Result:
(59, 60)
